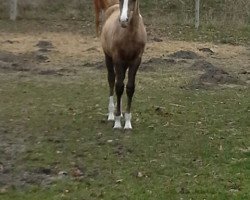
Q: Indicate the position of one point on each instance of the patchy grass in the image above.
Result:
(189, 144)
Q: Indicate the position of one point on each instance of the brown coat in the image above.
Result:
(123, 44)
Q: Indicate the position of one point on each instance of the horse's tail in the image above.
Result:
(97, 15)
(99, 5)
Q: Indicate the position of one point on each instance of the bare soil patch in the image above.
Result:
(43, 44)
(184, 55)
(212, 75)
(12, 62)
(218, 76)
(206, 50)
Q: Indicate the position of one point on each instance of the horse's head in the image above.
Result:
(126, 9)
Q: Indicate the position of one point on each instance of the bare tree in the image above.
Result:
(13, 9)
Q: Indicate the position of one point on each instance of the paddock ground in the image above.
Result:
(190, 117)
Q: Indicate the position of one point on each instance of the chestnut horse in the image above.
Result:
(123, 40)
(100, 7)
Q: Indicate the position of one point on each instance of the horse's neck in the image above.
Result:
(111, 10)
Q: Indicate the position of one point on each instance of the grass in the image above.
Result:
(220, 22)
(186, 144)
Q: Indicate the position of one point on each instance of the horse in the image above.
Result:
(123, 39)
(100, 7)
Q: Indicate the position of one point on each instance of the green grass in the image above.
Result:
(186, 144)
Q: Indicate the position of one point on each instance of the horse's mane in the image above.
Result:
(100, 6)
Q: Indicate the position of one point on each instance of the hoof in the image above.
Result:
(117, 127)
(111, 117)
(118, 124)
(128, 125)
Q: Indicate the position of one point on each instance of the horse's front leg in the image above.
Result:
(119, 88)
(130, 89)
(111, 80)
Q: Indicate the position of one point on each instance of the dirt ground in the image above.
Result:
(65, 53)
(51, 50)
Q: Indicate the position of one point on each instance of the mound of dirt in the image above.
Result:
(45, 44)
(152, 63)
(29, 62)
(184, 55)
(4, 65)
(160, 61)
(206, 50)
(218, 76)
(212, 76)
(42, 53)
(202, 65)
(40, 57)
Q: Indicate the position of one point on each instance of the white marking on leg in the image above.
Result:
(124, 14)
(128, 117)
(111, 108)
(121, 109)
(118, 124)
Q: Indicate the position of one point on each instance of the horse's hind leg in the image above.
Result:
(119, 88)
(111, 80)
(130, 89)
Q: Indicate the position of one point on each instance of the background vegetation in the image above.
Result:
(226, 21)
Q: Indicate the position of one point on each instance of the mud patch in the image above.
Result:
(44, 50)
(206, 50)
(45, 47)
(149, 65)
(35, 177)
(44, 44)
(156, 39)
(49, 72)
(121, 151)
(95, 65)
(184, 55)
(218, 76)
(13, 170)
(30, 62)
(202, 65)
(10, 152)
(40, 57)
(212, 76)
(154, 63)
(26, 178)
(19, 62)
(42, 53)
(12, 66)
